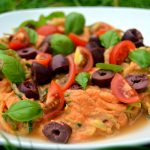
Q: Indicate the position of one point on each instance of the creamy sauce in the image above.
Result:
(139, 123)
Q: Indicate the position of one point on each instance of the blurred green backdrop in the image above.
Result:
(9, 5)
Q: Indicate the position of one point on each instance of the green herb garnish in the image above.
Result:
(56, 14)
(110, 38)
(61, 44)
(33, 36)
(74, 23)
(3, 47)
(141, 57)
(79, 124)
(112, 67)
(24, 111)
(11, 68)
(82, 79)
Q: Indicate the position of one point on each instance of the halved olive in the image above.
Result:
(97, 52)
(59, 64)
(27, 53)
(135, 36)
(30, 89)
(138, 81)
(102, 78)
(41, 74)
(57, 132)
(45, 45)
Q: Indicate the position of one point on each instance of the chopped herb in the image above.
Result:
(68, 102)
(66, 94)
(30, 125)
(79, 124)
(28, 65)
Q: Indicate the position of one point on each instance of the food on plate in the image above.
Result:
(67, 82)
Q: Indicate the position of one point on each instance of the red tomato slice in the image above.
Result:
(46, 30)
(19, 40)
(77, 40)
(120, 52)
(122, 90)
(56, 94)
(87, 58)
(71, 75)
(43, 58)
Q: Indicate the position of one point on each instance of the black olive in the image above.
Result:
(97, 52)
(57, 132)
(138, 81)
(102, 78)
(59, 64)
(27, 53)
(135, 36)
(41, 74)
(94, 39)
(45, 45)
(30, 89)
(31, 26)
(75, 86)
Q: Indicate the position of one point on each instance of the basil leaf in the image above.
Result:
(2, 52)
(12, 69)
(3, 47)
(74, 23)
(56, 14)
(82, 79)
(112, 67)
(61, 44)
(28, 22)
(24, 111)
(33, 36)
(141, 57)
(42, 21)
(110, 38)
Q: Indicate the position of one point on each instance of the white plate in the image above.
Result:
(122, 18)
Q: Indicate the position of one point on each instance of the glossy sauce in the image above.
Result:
(140, 122)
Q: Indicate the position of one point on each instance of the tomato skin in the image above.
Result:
(19, 40)
(77, 40)
(120, 52)
(103, 27)
(43, 58)
(55, 92)
(87, 54)
(46, 30)
(122, 90)
(71, 75)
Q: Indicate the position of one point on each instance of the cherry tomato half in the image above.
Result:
(120, 52)
(86, 63)
(77, 40)
(55, 95)
(71, 75)
(46, 30)
(19, 40)
(122, 90)
(43, 58)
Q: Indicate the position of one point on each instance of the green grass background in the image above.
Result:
(9, 5)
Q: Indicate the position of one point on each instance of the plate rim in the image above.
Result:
(27, 144)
